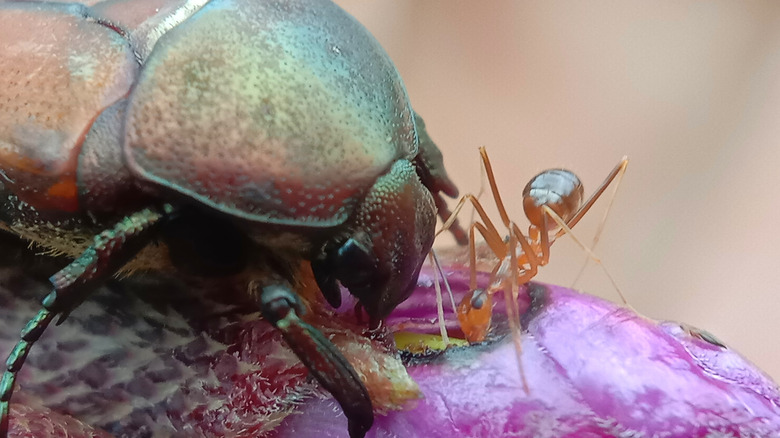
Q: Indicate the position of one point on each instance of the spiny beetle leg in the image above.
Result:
(430, 168)
(109, 251)
(281, 306)
(32, 331)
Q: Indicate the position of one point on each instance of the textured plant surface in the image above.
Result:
(157, 357)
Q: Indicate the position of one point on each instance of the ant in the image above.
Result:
(553, 204)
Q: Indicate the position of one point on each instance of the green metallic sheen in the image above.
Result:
(277, 112)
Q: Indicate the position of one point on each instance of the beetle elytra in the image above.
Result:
(216, 137)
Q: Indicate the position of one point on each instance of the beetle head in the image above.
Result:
(381, 259)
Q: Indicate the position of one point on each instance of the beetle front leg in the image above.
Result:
(430, 168)
(109, 251)
(281, 307)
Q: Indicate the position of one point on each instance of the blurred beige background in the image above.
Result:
(689, 90)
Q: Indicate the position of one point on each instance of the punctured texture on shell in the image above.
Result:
(399, 216)
(279, 112)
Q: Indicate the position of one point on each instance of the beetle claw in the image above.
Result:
(281, 306)
(328, 284)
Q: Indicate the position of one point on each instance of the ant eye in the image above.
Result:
(478, 300)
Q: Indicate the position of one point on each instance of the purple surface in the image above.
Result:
(594, 370)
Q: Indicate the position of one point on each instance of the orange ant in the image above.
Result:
(552, 202)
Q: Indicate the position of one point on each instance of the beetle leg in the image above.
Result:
(328, 283)
(430, 167)
(109, 251)
(281, 307)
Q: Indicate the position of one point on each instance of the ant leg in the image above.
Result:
(565, 228)
(110, 250)
(482, 178)
(544, 238)
(437, 265)
(481, 211)
(452, 220)
(516, 278)
(472, 259)
(439, 301)
(617, 175)
(281, 307)
(489, 231)
(529, 254)
(494, 186)
(475, 310)
(617, 172)
(513, 311)
(438, 273)
(455, 228)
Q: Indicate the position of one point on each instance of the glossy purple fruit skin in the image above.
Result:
(594, 370)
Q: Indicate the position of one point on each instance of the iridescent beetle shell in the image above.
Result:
(234, 132)
(241, 135)
(249, 143)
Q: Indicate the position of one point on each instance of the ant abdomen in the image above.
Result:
(558, 189)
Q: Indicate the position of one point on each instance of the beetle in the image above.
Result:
(223, 138)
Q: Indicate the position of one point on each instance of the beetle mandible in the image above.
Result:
(217, 137)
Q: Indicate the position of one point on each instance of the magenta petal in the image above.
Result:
(594, 370)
